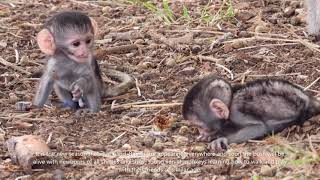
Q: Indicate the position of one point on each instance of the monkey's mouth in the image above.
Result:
(80, 59)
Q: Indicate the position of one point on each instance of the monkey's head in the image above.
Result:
(71, 33)
(206, 105)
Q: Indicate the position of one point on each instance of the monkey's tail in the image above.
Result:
(127, 82)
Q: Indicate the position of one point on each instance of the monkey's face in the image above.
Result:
(202, 127)
(80, 47)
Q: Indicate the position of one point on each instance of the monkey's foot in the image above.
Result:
(70, 104)
(219, 144)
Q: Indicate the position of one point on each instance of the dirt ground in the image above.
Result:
(141, 134)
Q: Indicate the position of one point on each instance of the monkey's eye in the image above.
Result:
(76, 43)
(88, 41)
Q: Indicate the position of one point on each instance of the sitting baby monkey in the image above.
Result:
(71, 70)
(243, 112)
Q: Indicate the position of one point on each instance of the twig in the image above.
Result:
(137, 86)
(215, 60)
(27, 119)
(306, 88)
(49, 138)
(312, 46)
(147, 105)
(209, 58)
(276, 75)
(309, 45)
(17, 56)
(85, 3)
(121, 49)
(268, 45)
(314, 152)
(13, 66)
(228, 70)
(118, 137)
(124, 96)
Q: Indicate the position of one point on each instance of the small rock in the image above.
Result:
(307, 52)
(188, 71)
(295, 4)
(268, 171)
(3, 44)
(61, 129)
(158, 146)
(159, 92)
(261, 29)
(238, 44)
(2, 139)
(288, 12)
(243, 34)
(135, 121)
(195, 49)
(145, 175)
(139, 41)
(127, 146)
(244, 15)
(183, 130)
(23, 125)
(148, 141)
(106, 10)
(13, 98)
(58, 174)
(34, 55)
(295, 21)
(170, 62)
(181, 140)
(199, 148)
(44, 176)
(157, 176)
(145, 65)
(227, 48)
(153, 46)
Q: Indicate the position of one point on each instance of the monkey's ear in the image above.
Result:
(95, 26)
(219, 108)
(46, 42)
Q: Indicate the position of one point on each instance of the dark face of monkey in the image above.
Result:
(206, 104)
(73, 34)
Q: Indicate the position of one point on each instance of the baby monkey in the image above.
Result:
(72, 71)
(243, 112)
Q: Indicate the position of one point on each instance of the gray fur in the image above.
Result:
(61, 73)
(313, 16)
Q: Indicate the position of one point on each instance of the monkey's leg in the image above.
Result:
(93, 100)
(44, 90)
(65, 96)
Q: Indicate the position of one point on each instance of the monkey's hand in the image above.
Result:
(219, 144)
(76, 91)
(205, 136)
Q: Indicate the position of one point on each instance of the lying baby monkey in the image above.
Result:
(243, 112)
(71, 70)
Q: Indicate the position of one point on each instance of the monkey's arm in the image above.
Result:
(44, 89)
(242, 135)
